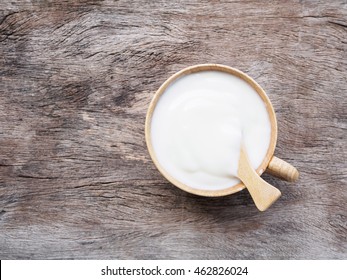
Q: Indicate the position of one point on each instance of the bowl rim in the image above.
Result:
(210, 67)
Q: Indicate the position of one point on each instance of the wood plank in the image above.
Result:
(76, 180)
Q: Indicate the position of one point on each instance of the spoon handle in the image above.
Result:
(263, 194)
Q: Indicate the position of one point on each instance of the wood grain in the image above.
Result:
(76, 78)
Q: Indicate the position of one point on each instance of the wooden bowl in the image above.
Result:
(271, 164)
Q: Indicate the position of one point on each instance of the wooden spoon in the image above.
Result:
(263, 194)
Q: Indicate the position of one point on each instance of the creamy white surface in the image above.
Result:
(199, 124)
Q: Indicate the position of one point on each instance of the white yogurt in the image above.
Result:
(198, 126)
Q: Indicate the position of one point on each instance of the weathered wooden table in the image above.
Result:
(76, 180)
